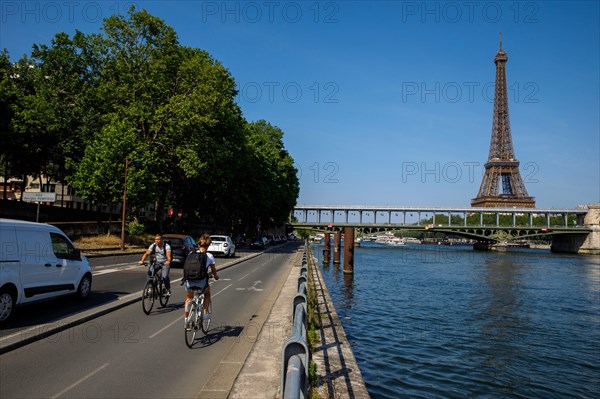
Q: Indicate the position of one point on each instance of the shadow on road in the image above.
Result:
(217, 334)
(53, 310)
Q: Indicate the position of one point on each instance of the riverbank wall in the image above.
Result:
(337, 372)
(582, 244)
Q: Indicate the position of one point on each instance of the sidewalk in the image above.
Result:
(260, 376)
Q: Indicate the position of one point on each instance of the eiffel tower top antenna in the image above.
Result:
(500, 41)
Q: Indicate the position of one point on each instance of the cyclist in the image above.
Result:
(162, 253)
(190, 285)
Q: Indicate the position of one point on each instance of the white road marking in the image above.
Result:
(67, 389)
(178, 320)
(253, 288)
(107, 271)
(214, 295)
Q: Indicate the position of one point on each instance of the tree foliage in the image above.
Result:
(81, 108)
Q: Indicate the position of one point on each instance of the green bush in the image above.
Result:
(135, 228)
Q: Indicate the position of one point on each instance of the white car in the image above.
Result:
(222, 245)
(37, 262)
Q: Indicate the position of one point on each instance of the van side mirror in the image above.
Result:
(76, 254)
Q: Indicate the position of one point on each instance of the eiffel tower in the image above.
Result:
(502, 169)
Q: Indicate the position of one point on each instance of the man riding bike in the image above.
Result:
(162, 253)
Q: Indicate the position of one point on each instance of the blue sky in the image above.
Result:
(390, 102)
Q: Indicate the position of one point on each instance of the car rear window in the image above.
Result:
(176, 242)
(218, 238)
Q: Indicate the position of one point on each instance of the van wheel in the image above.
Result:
(85, 287)
(7, 303)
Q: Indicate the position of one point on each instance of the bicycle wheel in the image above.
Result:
(162, 291)
(148, 297)
(190, 334)
(205, 321)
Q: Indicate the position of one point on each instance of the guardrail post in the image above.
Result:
(295, 378)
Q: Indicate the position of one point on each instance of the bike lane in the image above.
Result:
(114, 286)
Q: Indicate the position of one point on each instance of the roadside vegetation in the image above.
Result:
(131, 104)
(105, 241)
(313, 330)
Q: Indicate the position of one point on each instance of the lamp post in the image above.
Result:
(124, 206)
(124, 210)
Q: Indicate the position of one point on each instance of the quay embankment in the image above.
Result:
(337, 372)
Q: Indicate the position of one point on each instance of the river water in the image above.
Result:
(428, 321)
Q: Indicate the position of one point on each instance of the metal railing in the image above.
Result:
(296, 356)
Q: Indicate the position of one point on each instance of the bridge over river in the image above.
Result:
(568, 228)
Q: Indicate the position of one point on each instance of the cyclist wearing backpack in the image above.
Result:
(200, 279)
(162, 253)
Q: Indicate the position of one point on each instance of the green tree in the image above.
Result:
(205, 132)
(137, 61)
(64, 98)
(28, 138)
(9, 97)
(83, 106)
(273, 176)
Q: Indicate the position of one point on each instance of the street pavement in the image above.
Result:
(252, 368)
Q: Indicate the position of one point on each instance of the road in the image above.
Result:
(126, 353)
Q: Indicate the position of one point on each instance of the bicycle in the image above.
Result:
(196, 320)
(154, 289)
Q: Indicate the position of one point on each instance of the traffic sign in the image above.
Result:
(39, 197)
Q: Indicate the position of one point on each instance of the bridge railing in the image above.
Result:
(296, 355)
(415, 216)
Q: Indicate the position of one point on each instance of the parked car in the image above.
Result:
(181, 246)
(259, 243)
(222, 245)
(39, 262)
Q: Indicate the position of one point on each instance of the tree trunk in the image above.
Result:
(110, 214)
(23, 186)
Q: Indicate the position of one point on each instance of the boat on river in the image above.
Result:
(390, 240)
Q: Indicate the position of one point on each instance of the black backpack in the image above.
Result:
(194, 267)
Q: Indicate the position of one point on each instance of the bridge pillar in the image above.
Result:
(583, 244)
(591, 245)
(327, 249)
(337, 241)
(483, 245)
(349, 250)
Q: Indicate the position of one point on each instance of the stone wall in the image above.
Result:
(591, 245)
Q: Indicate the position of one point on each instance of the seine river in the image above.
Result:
(428, 321)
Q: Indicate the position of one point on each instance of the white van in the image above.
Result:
(37, 262)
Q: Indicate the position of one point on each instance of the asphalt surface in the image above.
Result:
(106, 347)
